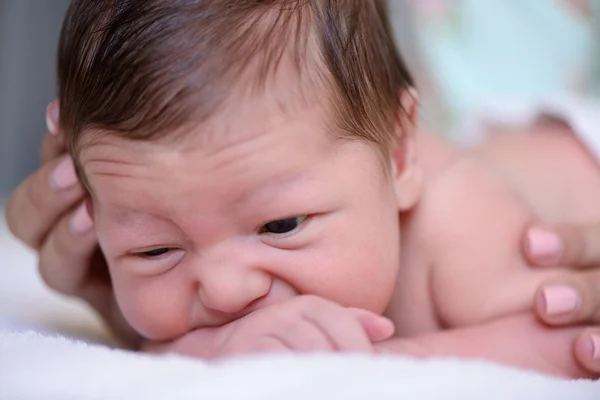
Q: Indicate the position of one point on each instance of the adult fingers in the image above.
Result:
(53, 143)
(43, 198)
(65, 257)
(571, 299)
(587, 350)
(565, 245)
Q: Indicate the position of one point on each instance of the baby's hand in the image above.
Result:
(303, 324)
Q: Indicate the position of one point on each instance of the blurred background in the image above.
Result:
(464, 53)
(29, 32)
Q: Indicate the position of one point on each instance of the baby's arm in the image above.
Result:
(516, 341)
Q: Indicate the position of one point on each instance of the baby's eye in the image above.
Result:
(155, 253)
(282, 226)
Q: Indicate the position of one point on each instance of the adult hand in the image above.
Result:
(47, 212)
(576, 298)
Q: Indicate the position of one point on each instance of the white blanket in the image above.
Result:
(41, 359)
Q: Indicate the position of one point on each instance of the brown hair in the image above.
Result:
(142, 68)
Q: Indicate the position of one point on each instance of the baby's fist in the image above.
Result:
(304, 324)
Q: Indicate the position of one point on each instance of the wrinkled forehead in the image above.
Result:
(251, 159)
(274, 124)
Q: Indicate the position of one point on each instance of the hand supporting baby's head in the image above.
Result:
(238, 152)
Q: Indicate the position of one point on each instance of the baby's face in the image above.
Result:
(245, 212)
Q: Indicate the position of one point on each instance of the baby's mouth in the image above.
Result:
(279, 292)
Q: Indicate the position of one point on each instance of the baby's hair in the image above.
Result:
(144, 68)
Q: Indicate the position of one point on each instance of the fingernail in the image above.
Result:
(544, 245)
(595, 339)
(64, 175)
(52, 117)
(560, 299)
(81, 222)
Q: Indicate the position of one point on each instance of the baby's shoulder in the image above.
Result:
(473, 221)
(474, 215)
(470, 204)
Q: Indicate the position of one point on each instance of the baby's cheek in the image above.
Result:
(377, 259)
(364, 276)
(153, 308)
(382, 275)
(357, 263)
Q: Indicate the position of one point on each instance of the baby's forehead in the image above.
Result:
(258, 123)
(246, 115)
(282, 163)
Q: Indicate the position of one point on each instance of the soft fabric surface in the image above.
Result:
(53, 348)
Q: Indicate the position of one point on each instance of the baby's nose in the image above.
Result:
(230, 290)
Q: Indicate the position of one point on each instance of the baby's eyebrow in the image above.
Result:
(113, 168)
(272, 186)
(127, 215)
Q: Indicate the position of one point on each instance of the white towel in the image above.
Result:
(35, 366)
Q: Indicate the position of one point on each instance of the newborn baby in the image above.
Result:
(258, 182)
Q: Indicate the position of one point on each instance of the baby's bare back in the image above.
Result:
(550, 168)
(476, 212)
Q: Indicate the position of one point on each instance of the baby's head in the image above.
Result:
(239, 152)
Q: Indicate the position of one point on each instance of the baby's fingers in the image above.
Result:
(376, 327)
(342, 330)
(304, 335)
(350, 329)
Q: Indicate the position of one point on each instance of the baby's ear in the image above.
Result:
(406, 170)
(89, 205)
(409, 103)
